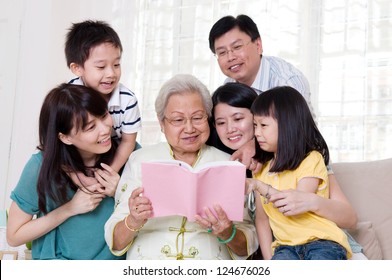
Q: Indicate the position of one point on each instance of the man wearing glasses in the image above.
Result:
(237, 45)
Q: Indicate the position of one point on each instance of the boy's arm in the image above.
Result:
(124, 150)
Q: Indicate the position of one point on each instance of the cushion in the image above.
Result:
(365, 235)
(368, 187)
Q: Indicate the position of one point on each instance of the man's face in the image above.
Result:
(238, 57)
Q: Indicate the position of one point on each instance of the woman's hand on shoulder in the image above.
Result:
(294, 202)
(108, 178)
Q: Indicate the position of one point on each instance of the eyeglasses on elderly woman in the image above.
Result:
(181, 121)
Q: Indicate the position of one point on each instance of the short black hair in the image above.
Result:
(85, 35)
(227, 23)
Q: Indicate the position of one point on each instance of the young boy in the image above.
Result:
(93, 53)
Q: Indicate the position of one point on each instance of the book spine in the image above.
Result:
(193, 193)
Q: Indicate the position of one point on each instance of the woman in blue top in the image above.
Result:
(63, 219)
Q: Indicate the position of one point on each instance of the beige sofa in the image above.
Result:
(368, 186)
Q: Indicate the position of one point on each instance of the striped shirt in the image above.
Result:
(124, 109)
(274, 72)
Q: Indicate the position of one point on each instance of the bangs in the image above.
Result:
(263, 107)
(80, 120)
(84, 104)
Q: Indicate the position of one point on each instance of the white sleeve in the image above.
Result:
(128, 182)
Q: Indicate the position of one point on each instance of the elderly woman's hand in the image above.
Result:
(140, 209)
(219, 226)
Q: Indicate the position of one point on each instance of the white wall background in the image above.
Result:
(31, 63)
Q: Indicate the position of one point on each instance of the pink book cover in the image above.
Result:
(175, 188)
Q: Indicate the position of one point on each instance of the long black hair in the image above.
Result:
(298, 134)
(235, 95)
(64, 108)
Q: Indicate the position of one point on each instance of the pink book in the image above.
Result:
(175, 188)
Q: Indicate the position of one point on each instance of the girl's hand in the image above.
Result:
(108, 178)
(255, 166)
(85, 201)
(140, 209)
(260, 187)
(250, 185)
(219, 226)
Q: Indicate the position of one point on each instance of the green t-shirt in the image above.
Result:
(80, 237)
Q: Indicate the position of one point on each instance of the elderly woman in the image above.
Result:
(183, 107)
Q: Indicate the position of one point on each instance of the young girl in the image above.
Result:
(294, 156)
(63, 220)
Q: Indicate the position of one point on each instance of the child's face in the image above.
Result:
(266, 133)
(102, 70)
(234, 125)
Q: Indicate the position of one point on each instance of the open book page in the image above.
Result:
(175, 188)
(168, 186)
(223, 185)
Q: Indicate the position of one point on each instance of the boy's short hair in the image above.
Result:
(85, 35)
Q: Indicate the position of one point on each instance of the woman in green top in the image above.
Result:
(63, 219)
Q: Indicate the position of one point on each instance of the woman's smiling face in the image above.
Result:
(234, 125)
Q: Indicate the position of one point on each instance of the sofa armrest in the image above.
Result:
(368, 187)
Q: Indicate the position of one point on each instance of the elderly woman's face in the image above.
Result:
(185, 125)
